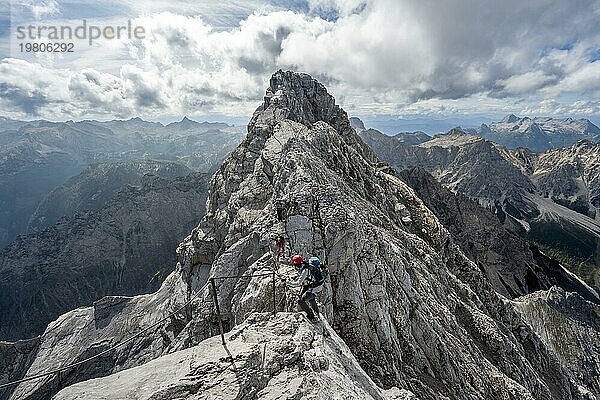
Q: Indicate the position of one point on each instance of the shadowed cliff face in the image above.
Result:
(126, 247)
(513, 266)
(414, 310)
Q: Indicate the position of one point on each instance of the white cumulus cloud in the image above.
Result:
(386, 55)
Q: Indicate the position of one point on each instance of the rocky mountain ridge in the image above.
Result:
(547, 197)
(513, 266)
(415, 312)
(297, 359)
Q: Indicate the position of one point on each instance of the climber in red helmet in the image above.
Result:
(311, 281)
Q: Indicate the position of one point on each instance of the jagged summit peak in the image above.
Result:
(456, 131)
(510, 118)
(299, 97)
(184, 123)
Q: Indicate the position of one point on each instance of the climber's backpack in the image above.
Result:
(318, 272)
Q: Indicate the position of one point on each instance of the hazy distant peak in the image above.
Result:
(356, 123)
(510, 118)
(185, 123)
(454, 137)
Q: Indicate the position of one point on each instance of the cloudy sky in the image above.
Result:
(383, 59)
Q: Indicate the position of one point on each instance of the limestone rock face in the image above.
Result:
(416, 313)
(513, 266)
(265, 357)
(85, 332)
(577, 345)
(15, 359)
(571, 177)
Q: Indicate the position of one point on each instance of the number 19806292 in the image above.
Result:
(46, 47)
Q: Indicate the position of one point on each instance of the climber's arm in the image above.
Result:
(300, 280)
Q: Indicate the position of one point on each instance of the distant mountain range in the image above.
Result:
(551, 198)
(90, 208)
(429, 125)
(415, 137)
(538, 134)
(38, 156)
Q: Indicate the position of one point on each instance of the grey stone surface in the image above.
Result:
(513, 266)
(283, 357)
(570, 327)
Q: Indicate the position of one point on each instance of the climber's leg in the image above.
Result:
(303, 301)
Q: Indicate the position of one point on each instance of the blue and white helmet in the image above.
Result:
(314, 261)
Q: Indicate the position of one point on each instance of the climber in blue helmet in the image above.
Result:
(311, 278)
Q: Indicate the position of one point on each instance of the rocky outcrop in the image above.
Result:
(415, 312)
(513, 266)
(15, 360)
(125, 248)
(86, 332)
(570, 327)
(265, 358)
(571, 177)
(390, 278)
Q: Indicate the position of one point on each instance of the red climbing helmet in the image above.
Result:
(297, 260)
